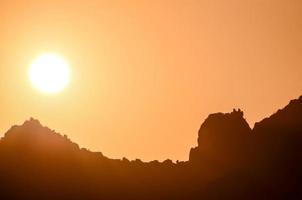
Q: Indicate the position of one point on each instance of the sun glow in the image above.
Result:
(49, 73)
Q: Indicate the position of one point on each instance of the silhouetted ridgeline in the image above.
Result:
(231, 161)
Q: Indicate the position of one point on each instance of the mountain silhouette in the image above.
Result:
(231, 161)
(222, 134)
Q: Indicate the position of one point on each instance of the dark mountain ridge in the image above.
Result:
(231, 161)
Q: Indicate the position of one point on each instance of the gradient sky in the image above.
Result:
(145, 74)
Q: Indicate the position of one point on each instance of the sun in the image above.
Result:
(49, 73)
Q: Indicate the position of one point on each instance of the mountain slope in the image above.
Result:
(231, 161)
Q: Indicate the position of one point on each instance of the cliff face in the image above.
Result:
(223, 139)
(271, 151)
(227, 137)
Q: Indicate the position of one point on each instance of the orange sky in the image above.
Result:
(145, 74)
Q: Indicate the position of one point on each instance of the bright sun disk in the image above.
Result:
(49, 73)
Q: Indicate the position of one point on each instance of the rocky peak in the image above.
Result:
(222, 137)
(32, 133)
(223, 127)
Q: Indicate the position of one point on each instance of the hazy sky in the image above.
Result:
(145, 74)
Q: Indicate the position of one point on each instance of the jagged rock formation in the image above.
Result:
(231, 161)
(38, 137)
(223, 139)
(267, 157)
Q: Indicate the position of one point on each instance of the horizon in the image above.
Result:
(31, 119)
